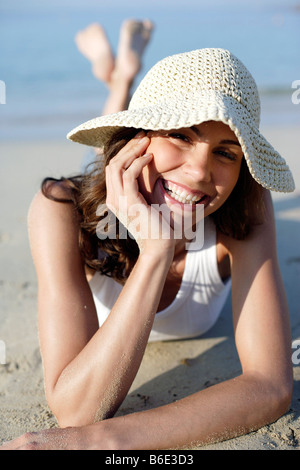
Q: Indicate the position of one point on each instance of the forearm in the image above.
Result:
(221, 412)
(99, 377)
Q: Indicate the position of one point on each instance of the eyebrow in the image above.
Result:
(225, 141)
(230, 142)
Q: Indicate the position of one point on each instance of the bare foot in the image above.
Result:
(94, 45)
(134, 37)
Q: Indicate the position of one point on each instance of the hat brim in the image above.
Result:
(265, 164)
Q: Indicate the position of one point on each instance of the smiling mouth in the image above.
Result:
(182, 195)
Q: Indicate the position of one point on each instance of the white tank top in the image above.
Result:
(198, 303)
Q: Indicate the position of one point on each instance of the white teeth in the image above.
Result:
(179, 195)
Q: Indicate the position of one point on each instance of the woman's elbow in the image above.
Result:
(68, 414)
(70, 419)
(285, 394)
(279, 399)
(272, 397)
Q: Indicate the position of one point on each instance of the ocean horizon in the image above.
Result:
(49, 87)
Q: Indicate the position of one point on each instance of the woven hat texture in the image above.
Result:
(194, 87)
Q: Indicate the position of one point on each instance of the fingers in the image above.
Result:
(22, 442)
(127, 165)
(122, 161)
(122, 175)
(133, 149)
(130, 176)
(125, 182)
(134, 170)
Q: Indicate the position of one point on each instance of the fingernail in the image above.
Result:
(147, 155)
(139, 135)
(143, 140)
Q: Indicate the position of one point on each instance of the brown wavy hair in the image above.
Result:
(116, 257)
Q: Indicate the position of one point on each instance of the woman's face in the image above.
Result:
(200, 164)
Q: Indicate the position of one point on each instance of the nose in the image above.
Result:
(199, 164)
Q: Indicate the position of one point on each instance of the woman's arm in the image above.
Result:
(261, 315)
(263, 391)
(260, 395)
(221, 412)
(88, 371)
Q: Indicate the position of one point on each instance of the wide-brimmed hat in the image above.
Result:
(194, 87)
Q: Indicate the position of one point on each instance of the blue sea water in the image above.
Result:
(49, 88)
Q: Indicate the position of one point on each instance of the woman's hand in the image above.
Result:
(125, 200)
(51, 439)
(97, 436)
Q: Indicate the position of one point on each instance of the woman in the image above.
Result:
(190, 137)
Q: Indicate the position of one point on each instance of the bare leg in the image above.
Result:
(117, 73)
(134, 37)
(94, 45)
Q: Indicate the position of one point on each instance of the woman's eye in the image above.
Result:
(177, 135)
(227, 155)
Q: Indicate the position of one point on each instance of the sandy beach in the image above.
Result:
(170, 370)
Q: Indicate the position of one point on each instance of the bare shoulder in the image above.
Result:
(45, 209)
(53, 229)
(56, 191)
(260, 244)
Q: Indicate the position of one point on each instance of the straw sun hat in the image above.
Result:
(190, 88)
